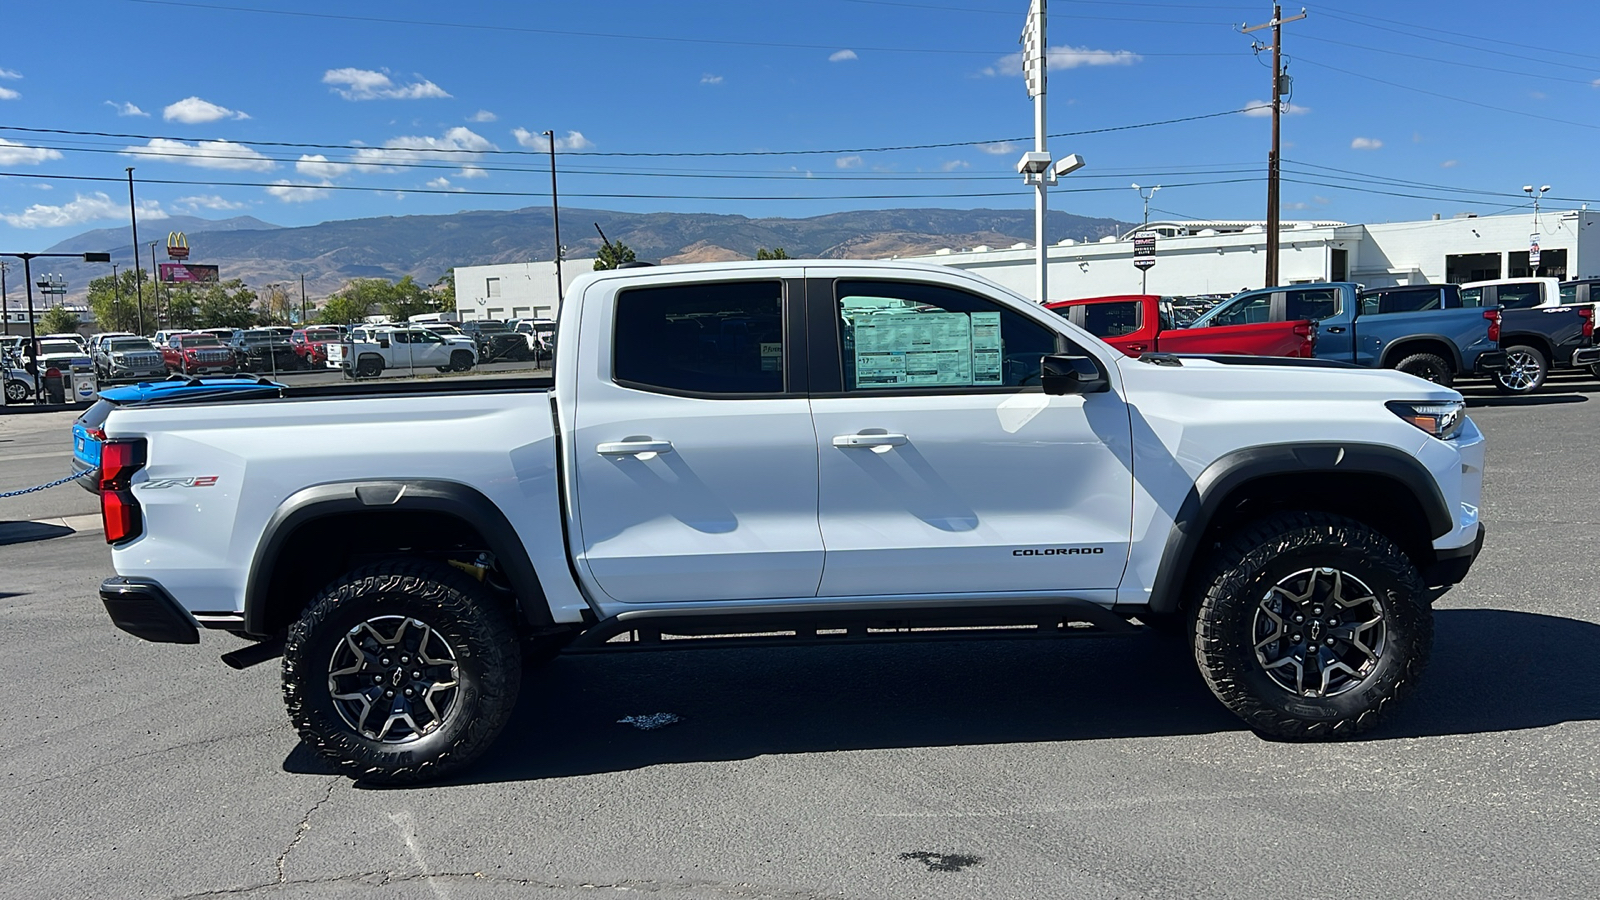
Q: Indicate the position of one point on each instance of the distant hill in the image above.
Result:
(331, 253)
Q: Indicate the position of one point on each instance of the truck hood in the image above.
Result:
(1271, 379)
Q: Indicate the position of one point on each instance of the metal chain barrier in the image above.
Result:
(58, 482)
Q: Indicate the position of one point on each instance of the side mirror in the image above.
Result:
(1061, 375)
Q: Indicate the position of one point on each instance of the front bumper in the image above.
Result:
(144, 609)
(1451, 566)
(1588, 356)
(1490, 361)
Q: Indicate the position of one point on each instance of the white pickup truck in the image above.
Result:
(371, 350)
(821, 452)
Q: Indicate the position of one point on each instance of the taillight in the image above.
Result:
(1493, 315)
(1587, 312)
(1303, 329)
(119, 511)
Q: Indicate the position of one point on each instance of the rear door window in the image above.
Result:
(1310, 303)
(1403, 300)
(720, 338)
(1519, 296)
(1249, 311)
(1112, 319)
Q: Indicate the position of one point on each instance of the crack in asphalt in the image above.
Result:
(384, 879)
(302, 828)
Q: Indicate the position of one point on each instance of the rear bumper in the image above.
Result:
(144, 609)
(1588, 356)
(1451, 566)
(1490, 361)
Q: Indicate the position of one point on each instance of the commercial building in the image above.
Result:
(1226, 257)
(514, 290)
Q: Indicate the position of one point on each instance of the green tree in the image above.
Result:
(406, 299)
(275, 305)
(226, 305)
(774, 253)
(114, 303)
(58, 320)
(613, 254)
(179, 306)
(342, 310)
(444, 291)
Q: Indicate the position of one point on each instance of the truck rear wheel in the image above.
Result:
(401, 672)
(1429, 367)
(369, 366)
(1312, 626)
(1525, 370)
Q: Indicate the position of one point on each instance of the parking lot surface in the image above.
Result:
(1097, 768)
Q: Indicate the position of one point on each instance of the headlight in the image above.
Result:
(1442, 418)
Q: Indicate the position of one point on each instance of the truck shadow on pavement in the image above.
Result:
(1492, 670)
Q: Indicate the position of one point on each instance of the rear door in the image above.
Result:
(693, 453)
(944, 467)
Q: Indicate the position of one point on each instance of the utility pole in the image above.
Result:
(1034, 50)
(1280, 87)
(5, 297)
(303, 317)
(138, 283)
(155, 284)
(555, 215)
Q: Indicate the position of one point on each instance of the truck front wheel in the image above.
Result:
(369, 366)
(401, 672)
(1312, 626)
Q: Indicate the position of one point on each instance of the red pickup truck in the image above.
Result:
(198, 353)
(1136, 323)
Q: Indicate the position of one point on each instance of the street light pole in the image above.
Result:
(1533, 263)
(138, 283)
(555, 215)
(303, 300)
(155, 284)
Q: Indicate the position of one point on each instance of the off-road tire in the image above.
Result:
(1243, 572)
(460, 361)
(477, 626)
(1525, 372)
(1429, 367)
(369, 366)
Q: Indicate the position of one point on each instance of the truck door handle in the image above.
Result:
(633, 447)
(846, 441)
(1335, 329)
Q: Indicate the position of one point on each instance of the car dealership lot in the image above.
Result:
(1095, 768)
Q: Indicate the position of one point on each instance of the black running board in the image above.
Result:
(649, 629)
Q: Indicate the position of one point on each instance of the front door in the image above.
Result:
(693, 452)
(944, 467)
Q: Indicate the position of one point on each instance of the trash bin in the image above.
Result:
(55, 390)
(83, 383)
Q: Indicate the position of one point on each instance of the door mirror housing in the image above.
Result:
(1061, 374)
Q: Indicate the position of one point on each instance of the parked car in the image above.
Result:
(311, 344)
(128, 359)
(60, 353)
(1585, 290)
(265, 350)
(389, 347)
(496, 342)
(1531, 360)
(197, 353)
(944, 454)
(1436, 344)
(95, 340)
(19, 384)
(1141, 323)
(73, 336)
(541, 337)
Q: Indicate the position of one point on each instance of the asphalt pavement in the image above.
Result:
(1096, 768)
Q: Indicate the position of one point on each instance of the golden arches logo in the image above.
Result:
(177, 245)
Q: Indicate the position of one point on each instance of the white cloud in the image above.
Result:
(458, 145)
(954, 164)
(842, 56)
(1297, 205)
(440, 182)
(848, 162)
(1065, 57)
(1263, 108)
(10, 73)
(126, 109)
(205, 154)
(8, 94)
(13, 153)
(194, 111)
(1538, 95)
(1448, 164)
(1363, 143)
(318, 166)
(573, 141)
(209, 201)
(1324, 201)
(482, 115)
(709, 78)
(290, 192)
(1001, 149)
(472, 172)
(366, 84)
(81, 209)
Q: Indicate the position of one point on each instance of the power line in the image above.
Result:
(1451, 62)
(1054, 14)
(1355, 19)
(1407, 87)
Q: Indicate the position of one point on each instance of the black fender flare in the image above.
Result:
(1398, 350)
(1241, 466)
(424, 495)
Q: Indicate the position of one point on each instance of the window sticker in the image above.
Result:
(772, 356)
(895, 346)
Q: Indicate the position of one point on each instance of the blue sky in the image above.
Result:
(1399, 110)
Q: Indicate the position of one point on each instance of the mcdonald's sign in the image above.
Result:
(177, 245)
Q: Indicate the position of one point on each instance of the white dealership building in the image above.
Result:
(1223, 257)
(524, 290)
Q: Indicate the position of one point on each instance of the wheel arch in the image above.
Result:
(1528, 339)
(318, 533)
(1436, 344)
(1381, 486)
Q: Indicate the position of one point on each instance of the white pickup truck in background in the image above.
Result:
(831, 451)
(369, 351)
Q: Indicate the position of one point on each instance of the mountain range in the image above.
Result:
(329, 254)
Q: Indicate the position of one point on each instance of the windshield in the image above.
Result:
(129, 344)
(258, 337)
(492, 327)
(207, 340)
(322, 335)
(50, 348)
